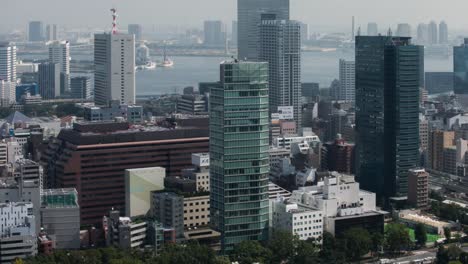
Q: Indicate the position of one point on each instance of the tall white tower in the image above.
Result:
(8, 62)
(59, 53)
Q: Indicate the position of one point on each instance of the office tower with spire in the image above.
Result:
(432, 33)
(239, 157)
(59, 53)
(8, 62)
(372, 29)
(387, 113)
(249, 17)
(280, 46)
(443, 33)
(36, 31)
(114, 67)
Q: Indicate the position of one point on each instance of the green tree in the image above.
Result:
(332, 250)
(447, 234)
(420, 234)
(453, 252)
(358, 243)
(442, 256)
(396, 238)
(377, 242)
(463, 257)
(282, 246)
(248, 252)
(307, 253)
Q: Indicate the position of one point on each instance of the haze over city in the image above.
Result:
(320, 15)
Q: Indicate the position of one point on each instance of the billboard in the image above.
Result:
(286, 112)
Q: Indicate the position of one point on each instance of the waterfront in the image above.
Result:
(321, 67)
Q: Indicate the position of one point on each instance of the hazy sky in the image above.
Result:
(323, 14)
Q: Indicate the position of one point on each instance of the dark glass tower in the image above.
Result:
(387, 109)
(239, 157)
(460, 68)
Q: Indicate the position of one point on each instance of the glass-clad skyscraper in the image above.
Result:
(249, 14)
(239, 159)
(387, 110)
(460, 68)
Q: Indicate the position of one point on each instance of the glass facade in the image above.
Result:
(387, 105)
(460, 68)
(239, 159)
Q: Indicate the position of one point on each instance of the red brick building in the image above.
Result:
(93, 158)
(338, 156)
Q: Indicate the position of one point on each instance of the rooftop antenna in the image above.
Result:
(114, 21)
(389, 33)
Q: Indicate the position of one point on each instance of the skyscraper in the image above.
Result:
(214, 34)
(114, 68)
(387, 113)
(443, 33)
(36, 31)
(59, 53)
(49, 80)
(403, 30)
(460, 72)
(347, 81)
(372, 29)
(234, 34)
(8, 62)
(423, 33)
(51, 33)
(136, 30)
(239, 157)
(249, 17)
(80, 87)
(304, 32)
(280, 46)
(432, 33)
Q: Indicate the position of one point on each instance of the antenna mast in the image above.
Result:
(114, 21)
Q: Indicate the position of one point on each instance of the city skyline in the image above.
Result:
(324, 16)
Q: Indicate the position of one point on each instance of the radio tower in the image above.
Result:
(114, 21)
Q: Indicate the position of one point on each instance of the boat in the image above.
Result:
(150, 65)
(167, 62)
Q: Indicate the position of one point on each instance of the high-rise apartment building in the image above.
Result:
(249, 17)
(432, 33)
(215, 35)
(239, 153)
(443, 33)
(372, 29)
(438, 142)
(114, 68)
(234, 34)
(49, 80)
(8, 62)
(280, 46)
(347, 81)
(418, 188)
(80, 87)
(387, 113)
(137, 30)
(51, 33)
(59, 53)
(423, 33)
(36, 31)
